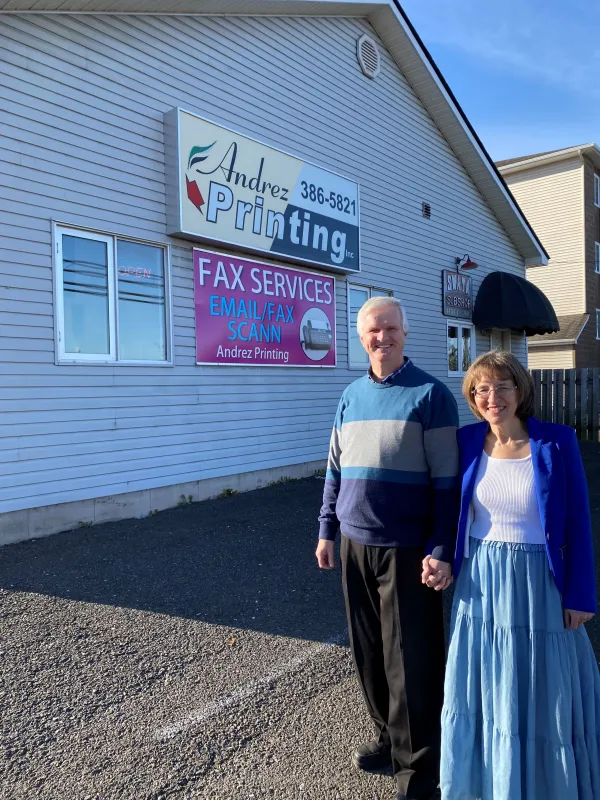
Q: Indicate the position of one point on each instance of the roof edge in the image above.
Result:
(552, 342)
(583, 324)
(591, 150)
(572, 341)
(470, 130)
(461, 136)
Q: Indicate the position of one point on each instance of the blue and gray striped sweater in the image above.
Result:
(392, 474)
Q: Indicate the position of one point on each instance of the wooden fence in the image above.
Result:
(570, 396)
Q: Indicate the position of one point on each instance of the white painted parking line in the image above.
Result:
(225, 701)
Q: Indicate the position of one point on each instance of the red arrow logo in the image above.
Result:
(194, 194)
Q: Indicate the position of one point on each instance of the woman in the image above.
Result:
(521, 717)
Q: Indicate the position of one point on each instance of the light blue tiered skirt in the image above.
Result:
(521, 718)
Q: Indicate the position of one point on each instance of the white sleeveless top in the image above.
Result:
(504, 505)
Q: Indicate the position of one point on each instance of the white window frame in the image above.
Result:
(598, 323)
(112, 358)
(460, 324)
(597, 257)
(597, 190)
(379, 292)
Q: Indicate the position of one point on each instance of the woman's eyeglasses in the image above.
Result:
(500, 391)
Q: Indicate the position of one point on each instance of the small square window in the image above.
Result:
(597, 258)
(500, 340)
(460, 348)
(598, 323)
(597, 190)
(357, 297)
(111, 299)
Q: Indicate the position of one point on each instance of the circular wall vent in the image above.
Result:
(368, 57)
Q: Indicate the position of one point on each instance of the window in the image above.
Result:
(500, 340)
(597, 190)
(357, 297)
(597, 264)
(598, 323)
(461, 348)
(111, 299)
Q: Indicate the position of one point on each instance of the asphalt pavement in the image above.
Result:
(198, 653)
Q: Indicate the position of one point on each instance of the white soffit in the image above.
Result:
(403, 43)
(308, 8)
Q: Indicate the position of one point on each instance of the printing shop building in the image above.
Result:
(193, 208)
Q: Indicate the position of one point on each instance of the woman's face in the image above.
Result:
(497, 399)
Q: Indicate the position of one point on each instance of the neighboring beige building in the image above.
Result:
(559, 192)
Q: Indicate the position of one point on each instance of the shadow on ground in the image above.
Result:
(210, 561)
(213, 561)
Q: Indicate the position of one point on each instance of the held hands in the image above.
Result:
(325, 554)
(436, 574)
(573, 619)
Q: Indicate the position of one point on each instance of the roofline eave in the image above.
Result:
(408, 51)
(572, 341)
(591, 150)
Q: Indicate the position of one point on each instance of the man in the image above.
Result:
(391, 488)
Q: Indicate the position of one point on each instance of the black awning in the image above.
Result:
(508, 301)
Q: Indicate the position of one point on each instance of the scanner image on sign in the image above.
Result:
(316, 336)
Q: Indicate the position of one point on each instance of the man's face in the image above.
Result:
(383, 338)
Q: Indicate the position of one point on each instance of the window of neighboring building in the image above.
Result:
(111, 299)
(357, 297)
(597, 265)
(598, 323)
(597, 190)
(460, 347)
(500, 340)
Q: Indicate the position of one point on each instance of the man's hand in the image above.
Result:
(436, 574)
(325, 554)
(573, 619)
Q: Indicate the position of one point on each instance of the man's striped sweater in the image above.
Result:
(392, 474)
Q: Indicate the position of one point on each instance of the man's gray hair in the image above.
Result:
(380, 302)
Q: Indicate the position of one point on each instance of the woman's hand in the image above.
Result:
(436, 574)
(573, 619)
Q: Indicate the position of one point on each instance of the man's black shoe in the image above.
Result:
(372, 756)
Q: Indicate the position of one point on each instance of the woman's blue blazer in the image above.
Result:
(562, 496)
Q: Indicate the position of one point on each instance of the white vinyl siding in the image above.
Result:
(559, 357)
(82, 101)
(551, 197)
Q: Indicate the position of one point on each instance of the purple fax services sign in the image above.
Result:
(254, 314)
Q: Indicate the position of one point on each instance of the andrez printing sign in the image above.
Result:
(226, 187)
(457, 294)
(257, 314)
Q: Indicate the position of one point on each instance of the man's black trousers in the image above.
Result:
(397, 642)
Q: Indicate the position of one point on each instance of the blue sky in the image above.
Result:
(526, 72)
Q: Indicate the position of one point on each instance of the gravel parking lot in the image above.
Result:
(198, 653)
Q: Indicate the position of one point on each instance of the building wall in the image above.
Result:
(81, 102)
(552, 357)
(551, 197)
(587, 351)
